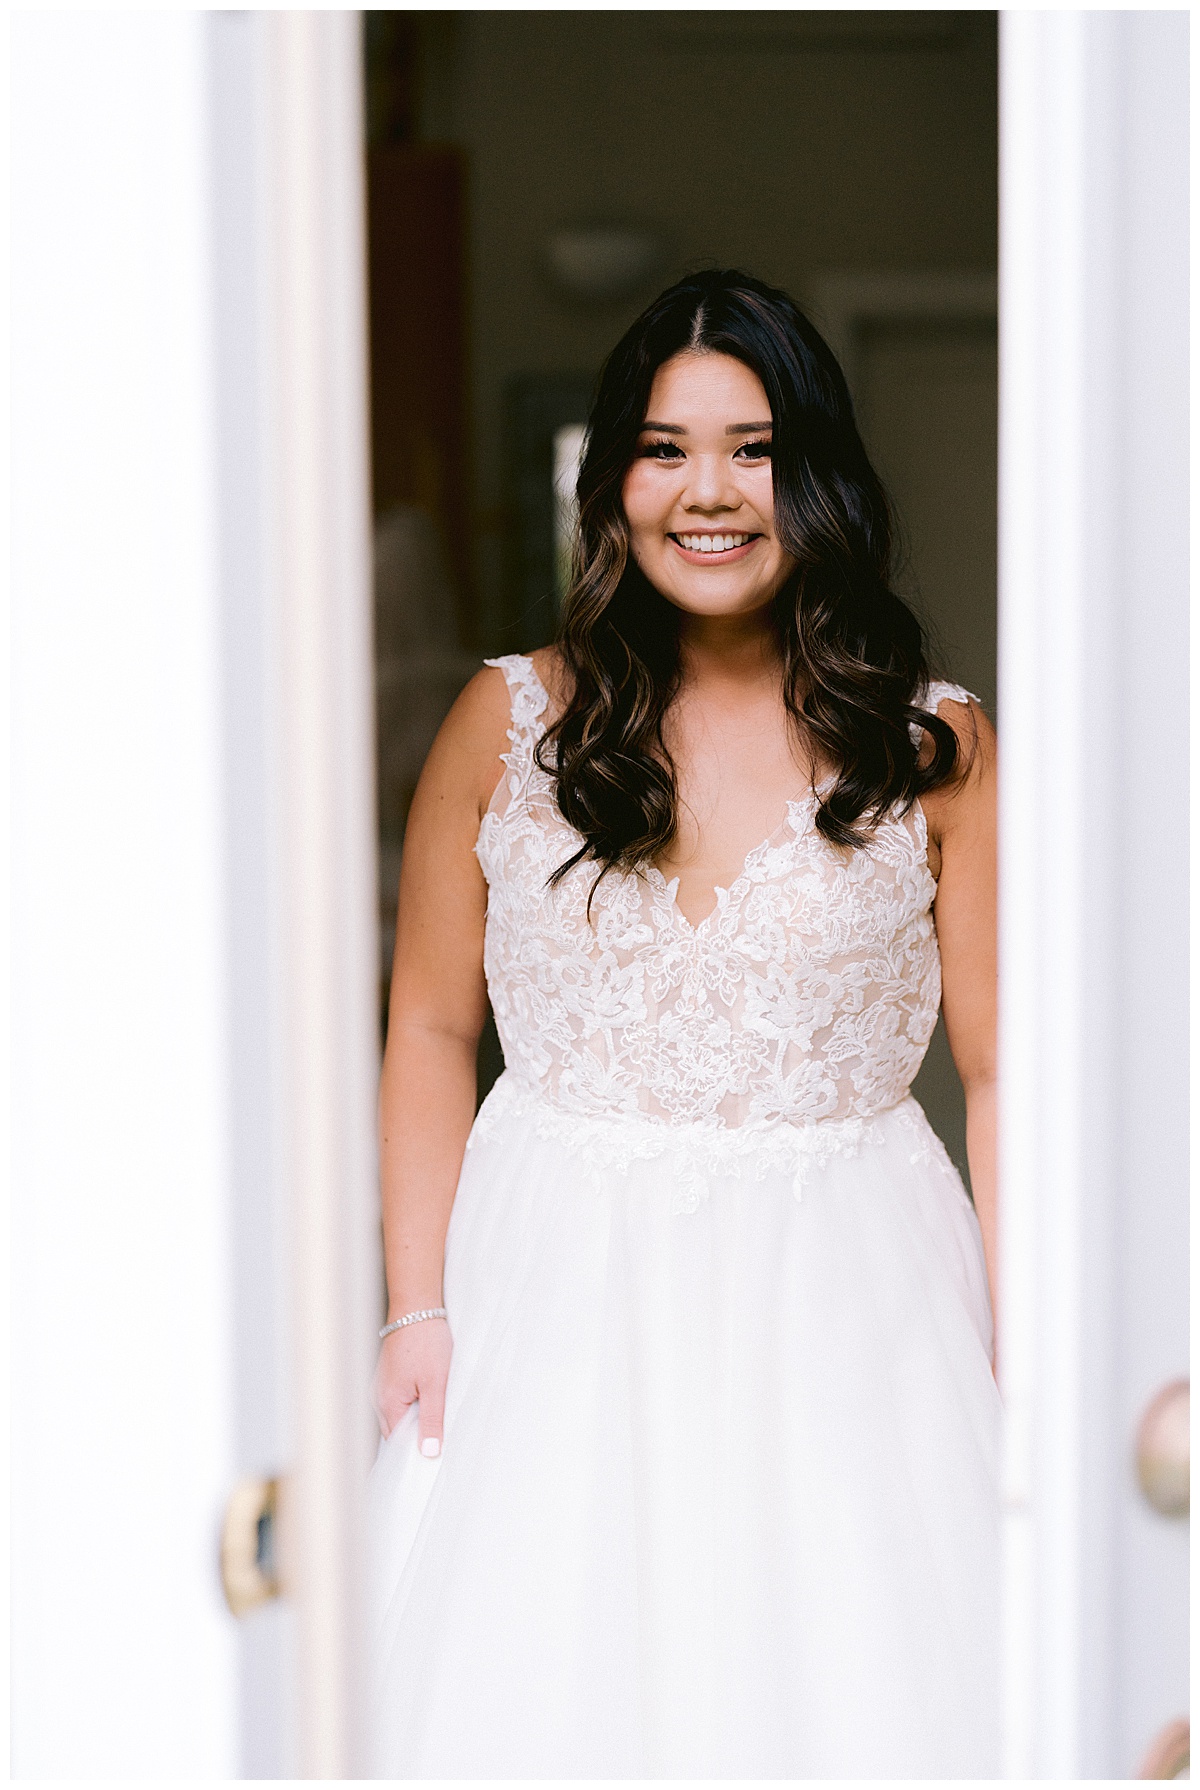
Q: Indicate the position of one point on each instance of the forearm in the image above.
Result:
(427, 1105)
(981, 1155)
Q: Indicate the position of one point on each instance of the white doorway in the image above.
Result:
(194, 981)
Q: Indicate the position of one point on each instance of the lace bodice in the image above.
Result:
(809, 992)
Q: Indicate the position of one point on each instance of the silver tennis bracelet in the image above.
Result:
(413, 1317)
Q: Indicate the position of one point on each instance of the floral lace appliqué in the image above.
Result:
(767, 1036)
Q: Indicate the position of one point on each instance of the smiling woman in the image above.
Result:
(670, 461)
(698, 1307)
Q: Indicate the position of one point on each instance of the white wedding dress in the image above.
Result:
(718, 1496)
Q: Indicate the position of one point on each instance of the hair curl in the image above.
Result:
(853, 652)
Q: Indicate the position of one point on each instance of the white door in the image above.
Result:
(1094, 972)
(192, 1216)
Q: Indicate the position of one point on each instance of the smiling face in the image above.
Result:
(698, 496)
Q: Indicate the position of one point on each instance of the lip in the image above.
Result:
(712, 560)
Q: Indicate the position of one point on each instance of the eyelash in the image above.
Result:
(662, 450)
(658, 450)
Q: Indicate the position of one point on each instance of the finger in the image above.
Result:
(431, 1408)
(390, 1412)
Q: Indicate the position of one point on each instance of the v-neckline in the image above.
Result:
(668, 889)
(724, 893)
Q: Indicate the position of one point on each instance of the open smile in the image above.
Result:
(711, 548)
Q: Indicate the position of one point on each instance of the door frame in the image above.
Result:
(1094, 655)
(319, 603)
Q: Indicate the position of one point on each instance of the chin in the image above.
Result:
(720, 602)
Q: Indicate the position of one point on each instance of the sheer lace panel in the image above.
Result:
(809, 992)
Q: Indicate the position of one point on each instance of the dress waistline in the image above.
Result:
(698, 1149)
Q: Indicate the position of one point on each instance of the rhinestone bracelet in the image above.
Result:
(413, 1317)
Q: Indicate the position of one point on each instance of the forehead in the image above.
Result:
(693, 389)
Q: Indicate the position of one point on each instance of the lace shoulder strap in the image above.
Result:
(938, 691)
(528, 700)
(934, 692)
(526, 694)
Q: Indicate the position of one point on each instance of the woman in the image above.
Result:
(718, 1488)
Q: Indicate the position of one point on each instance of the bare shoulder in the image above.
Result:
(970, 796)
(464, 765)
(552, 673)
(974, 731)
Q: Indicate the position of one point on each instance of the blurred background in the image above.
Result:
(533, 180)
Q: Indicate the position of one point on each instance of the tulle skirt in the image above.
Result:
(718, 1496)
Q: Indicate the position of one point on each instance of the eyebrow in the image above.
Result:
(733, 429)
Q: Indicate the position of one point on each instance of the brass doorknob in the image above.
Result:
(1164, 1450)
(250, 1573)
(1171, 1754)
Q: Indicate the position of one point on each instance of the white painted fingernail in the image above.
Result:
(430, 1446)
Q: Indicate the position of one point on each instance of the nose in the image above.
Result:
(711, 487)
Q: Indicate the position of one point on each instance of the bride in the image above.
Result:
(690, 1428)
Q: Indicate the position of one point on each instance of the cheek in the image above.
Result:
(760, 492)
(640, 500)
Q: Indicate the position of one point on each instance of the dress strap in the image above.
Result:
(528, 700)
(938, 691)
(527, 696)
(934, 692)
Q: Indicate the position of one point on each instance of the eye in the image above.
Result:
(754, 450)
(661, 450)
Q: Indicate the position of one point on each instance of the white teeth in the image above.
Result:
(712, 543)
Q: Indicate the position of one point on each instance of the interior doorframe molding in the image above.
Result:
(846, 304)
(319, 554)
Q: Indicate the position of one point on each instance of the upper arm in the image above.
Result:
(437, 971)
(962, 821)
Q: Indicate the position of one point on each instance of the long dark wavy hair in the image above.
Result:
(852, 651)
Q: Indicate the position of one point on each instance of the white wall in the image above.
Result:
(124, 1658)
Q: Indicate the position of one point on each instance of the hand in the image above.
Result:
(414, 1364)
